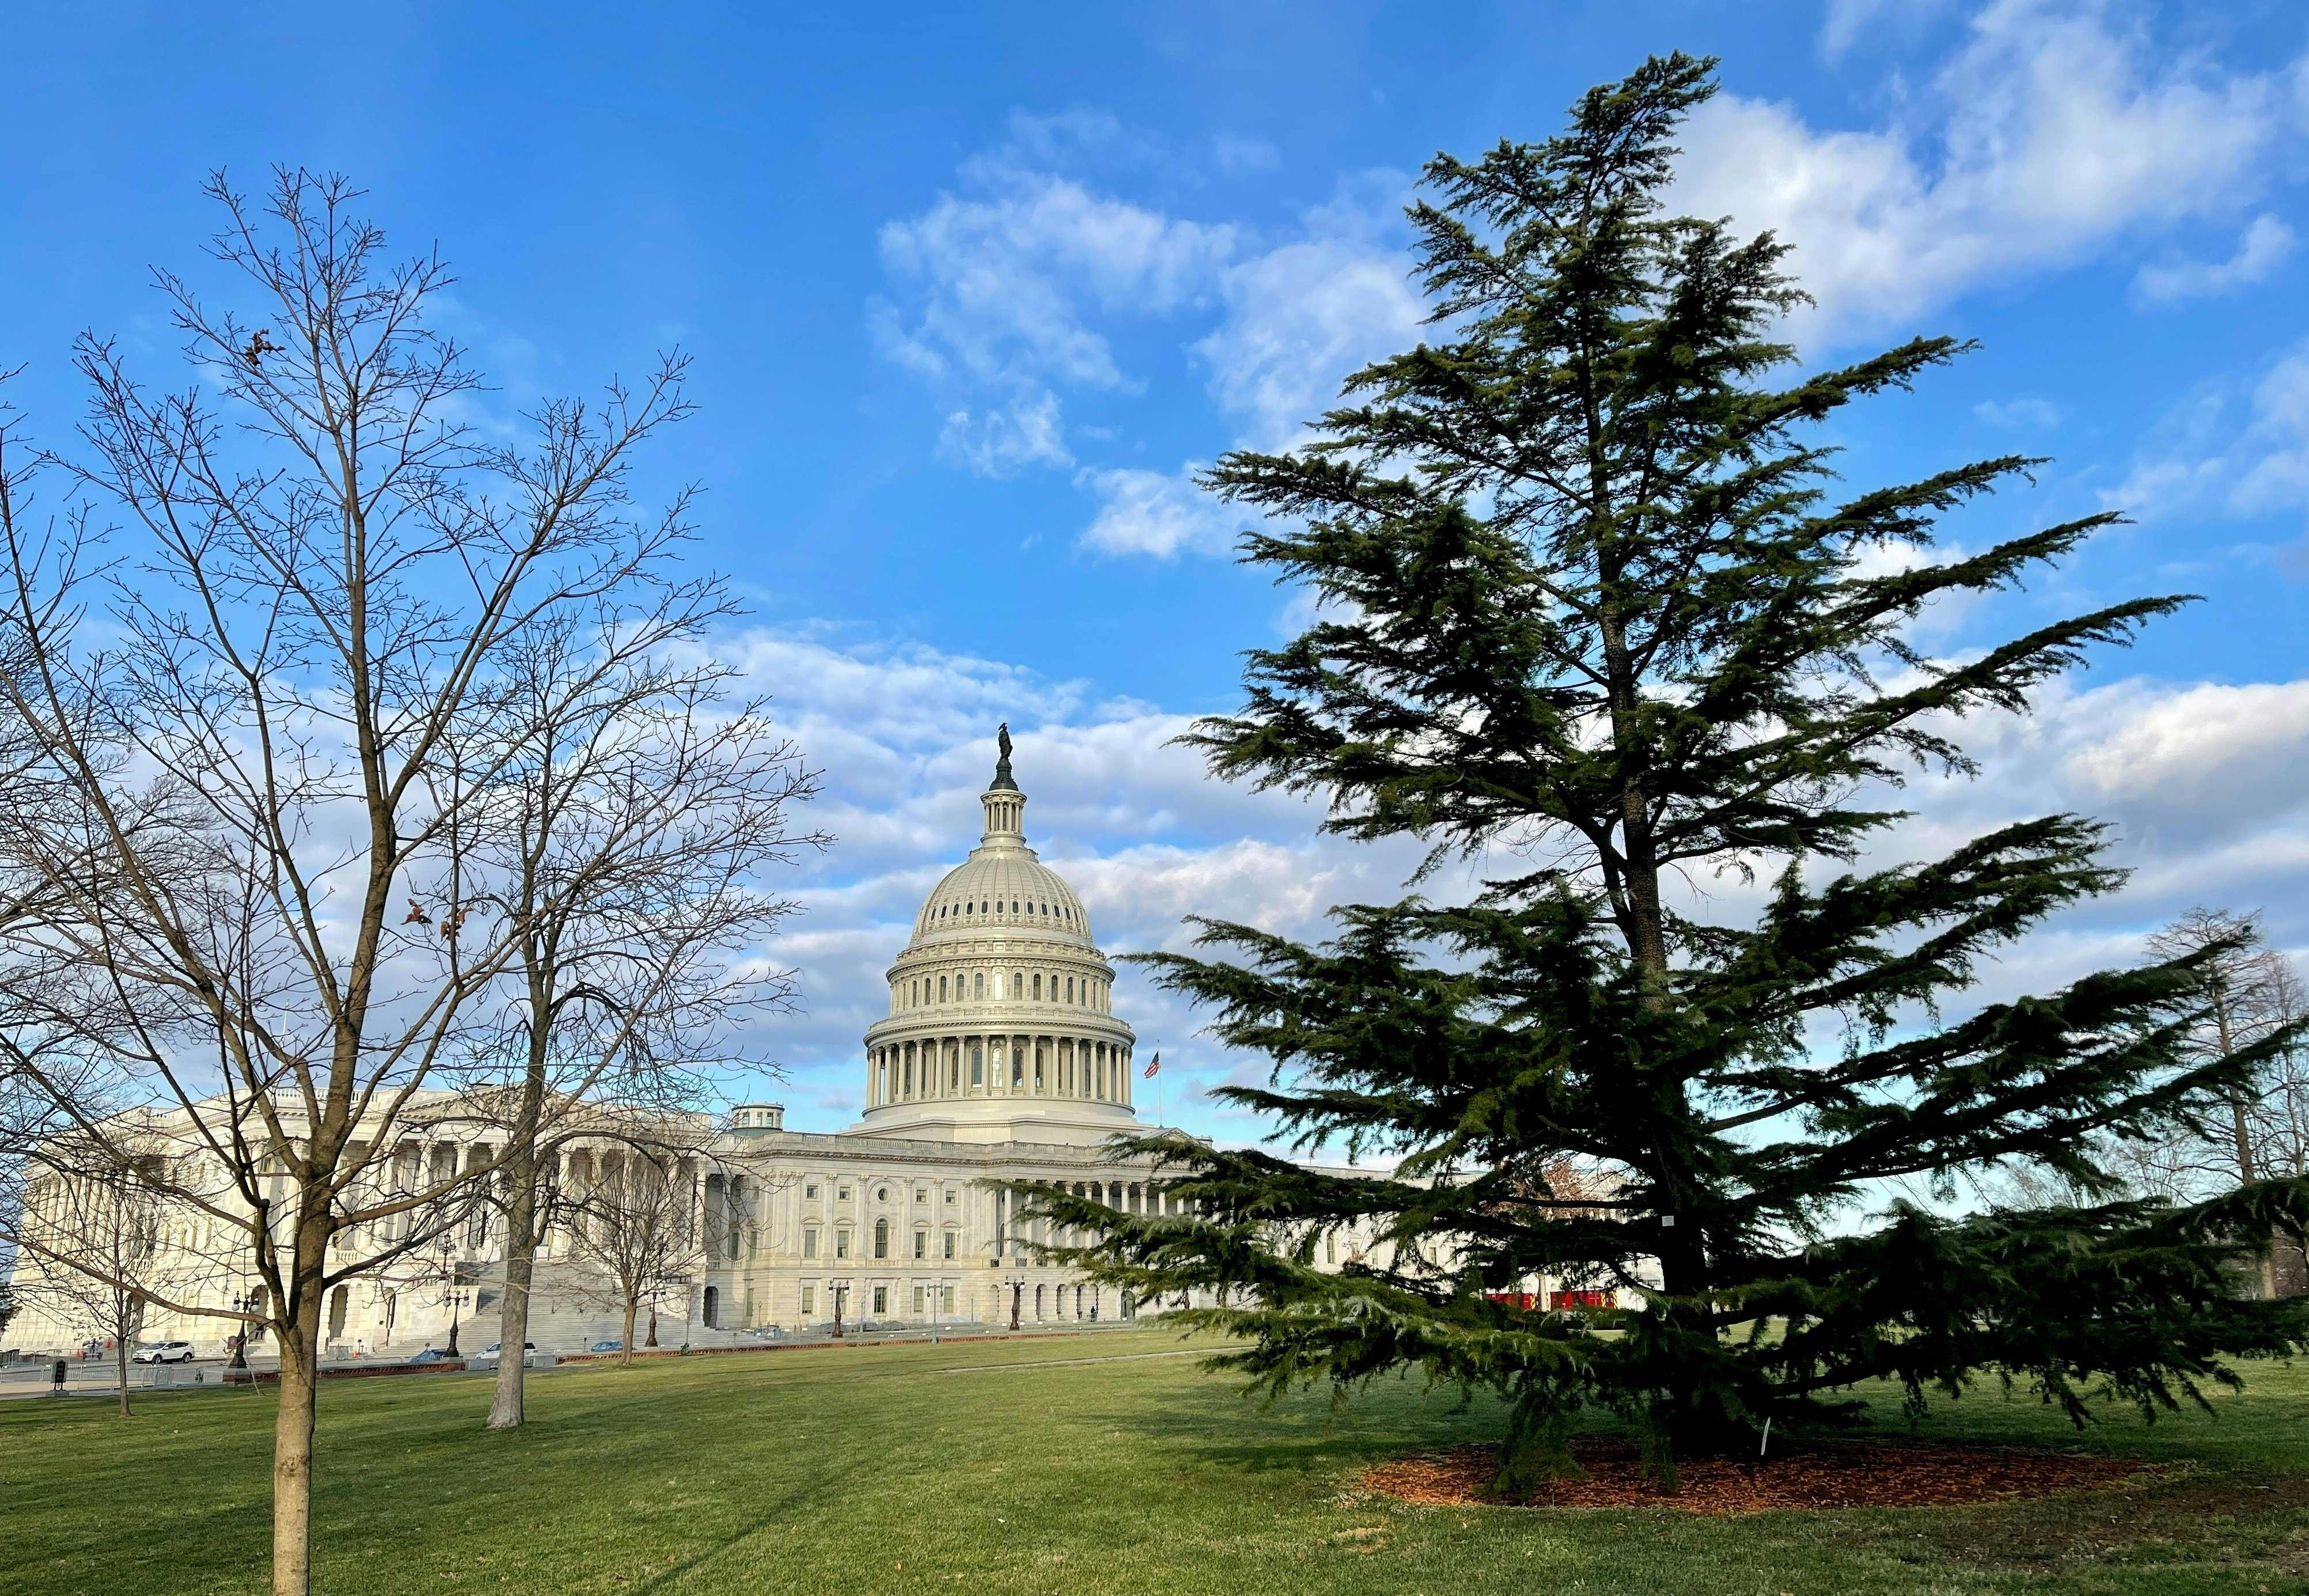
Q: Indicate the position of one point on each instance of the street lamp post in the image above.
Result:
(457, 1299)
(1016, 1284)
(246, 1303)
(840, 1291)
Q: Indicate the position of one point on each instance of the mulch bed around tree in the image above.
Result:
(1830, 1474)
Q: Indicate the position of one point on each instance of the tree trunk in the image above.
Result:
(632, 1308)
(120, 1362)
(521, 1235)
(293, 1425)
(653, 1329)
(2242, 1125)
(520, 1266)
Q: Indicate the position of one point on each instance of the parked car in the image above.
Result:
(488, 1356)
(163, 1352)
(607, 1347)
(430, 1355)
(768, 1333)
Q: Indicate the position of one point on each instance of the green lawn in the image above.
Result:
(924, 1469)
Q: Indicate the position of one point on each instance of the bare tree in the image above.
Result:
(264, 830)
(628, 836)
(91, 1226)
(633, 1227)
(2277, 1117)
(2242, 1008)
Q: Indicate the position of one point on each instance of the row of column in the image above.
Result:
(997, 1064)
(1127, 1196)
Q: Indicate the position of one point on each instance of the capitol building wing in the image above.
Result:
(1000, 1059)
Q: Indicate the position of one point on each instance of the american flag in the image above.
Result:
(1154, 1064)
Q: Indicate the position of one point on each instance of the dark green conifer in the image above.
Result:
(1594, 601)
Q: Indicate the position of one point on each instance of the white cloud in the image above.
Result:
(2023, 413)
(2053, 132)
(1003, 275)
(2266, 245)
(1234, 155)
(2197, 752)
(1157, 513)
(1304, 315)
(1299, 317)
(1010, 278)
(1846, 20)
(997, 442)
(2205, 456)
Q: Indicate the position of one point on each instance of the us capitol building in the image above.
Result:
(1000, 1059)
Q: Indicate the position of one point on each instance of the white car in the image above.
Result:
(164, 1352)
(488, 1356)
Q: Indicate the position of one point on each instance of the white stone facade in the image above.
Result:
(1001, 1059)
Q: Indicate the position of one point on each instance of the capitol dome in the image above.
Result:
(1001, 1025)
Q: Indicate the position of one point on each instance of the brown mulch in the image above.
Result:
(1833, 1474)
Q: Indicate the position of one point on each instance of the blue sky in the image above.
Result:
(973, 290)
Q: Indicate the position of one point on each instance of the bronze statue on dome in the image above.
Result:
(1002, 777)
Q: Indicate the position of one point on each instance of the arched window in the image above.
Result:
(881, 1238)
(981, 983)
(712, 1307)
(1071, 988)
(1038, 986)
(1018, 983)
(942, 988)
(977, 1068)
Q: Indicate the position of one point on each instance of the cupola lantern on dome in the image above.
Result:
(1000, 1025)
(1005, 805)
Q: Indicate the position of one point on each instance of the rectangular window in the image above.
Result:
(841, 1193)
(949, 1197)
(946, 1300)
(808, 1300)
(921, 1244)
(810, 1191)
(842, 1244)
(921, 1301)
(881, 1300)
(810, 1243)
(949, 1243)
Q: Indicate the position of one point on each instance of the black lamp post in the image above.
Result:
(457, 1299)
(247, 1304)
(839, 1293)
(1017, 1284)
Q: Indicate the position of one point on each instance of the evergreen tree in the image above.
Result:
(1594, 602)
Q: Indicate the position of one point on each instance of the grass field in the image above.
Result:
(995, 1468)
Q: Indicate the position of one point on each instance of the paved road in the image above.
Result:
(95, 1377)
